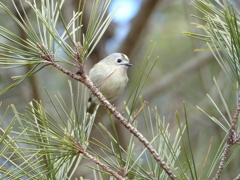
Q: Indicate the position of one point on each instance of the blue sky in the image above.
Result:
(127, 10)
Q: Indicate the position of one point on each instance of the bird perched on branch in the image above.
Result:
(110, 76)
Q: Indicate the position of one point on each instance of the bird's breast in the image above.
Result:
(114, 84)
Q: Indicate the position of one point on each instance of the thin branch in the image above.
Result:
(81, 76)
(131, 128)
(106, 78)
(231, 140)
(81, 150)
(206, 158)
(237, 178)
(141, 108)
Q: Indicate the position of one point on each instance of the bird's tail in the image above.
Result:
(91, 108)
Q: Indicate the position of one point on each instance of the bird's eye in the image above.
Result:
(119, 60)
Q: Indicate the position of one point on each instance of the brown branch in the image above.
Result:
(131, 128)
(81, 150)
(237, 178)
(82, 77)
(106, 78)
(231, 140)
(141, 108)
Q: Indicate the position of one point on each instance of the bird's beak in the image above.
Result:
(128, 64)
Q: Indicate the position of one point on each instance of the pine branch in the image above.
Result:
(232, 139)
(81, 76)
(82, 150)
(220, 22)
(237, 178)
(43, 51)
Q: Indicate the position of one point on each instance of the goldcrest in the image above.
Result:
(110, 76)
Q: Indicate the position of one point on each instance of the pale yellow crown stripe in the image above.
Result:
(125, 56)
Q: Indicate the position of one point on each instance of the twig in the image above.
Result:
(131, 128)
(81, 150)
(205, 160)
(141, 108)
(231, 140)
(82, 77)
(106, 78)
(237, 178)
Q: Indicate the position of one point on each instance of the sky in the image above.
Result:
(126, 11)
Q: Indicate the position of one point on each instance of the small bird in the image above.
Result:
(110, 76)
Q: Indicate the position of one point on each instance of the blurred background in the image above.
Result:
(180, 75)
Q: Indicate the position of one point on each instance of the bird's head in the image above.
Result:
(117, 59)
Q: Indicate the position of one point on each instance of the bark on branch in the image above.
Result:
(82, 77)
(232, 139)
(82, 150)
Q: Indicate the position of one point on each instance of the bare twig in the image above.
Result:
(131, 128)
(237, 178)
(205, 160)
(141, 108)
(123, 171)
(81, 150)
(82, 77)
(106, 78)
(231, 140)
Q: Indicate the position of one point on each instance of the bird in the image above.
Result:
(110, 76)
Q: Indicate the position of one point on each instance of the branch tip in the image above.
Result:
(78, 52)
